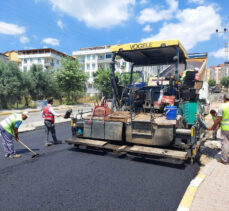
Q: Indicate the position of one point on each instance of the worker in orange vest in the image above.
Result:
(49, 121)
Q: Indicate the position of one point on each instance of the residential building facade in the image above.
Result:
(94, 58)
(218, 72)
(13, 56)
(225, 70)
(46, 57)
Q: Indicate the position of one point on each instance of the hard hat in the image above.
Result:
(196, 69)
(26, 113)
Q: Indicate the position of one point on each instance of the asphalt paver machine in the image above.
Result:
(137, 122)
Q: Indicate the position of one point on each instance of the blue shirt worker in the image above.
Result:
(223, 120)
(9, 131)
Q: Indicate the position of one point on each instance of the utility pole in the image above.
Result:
(226, 50)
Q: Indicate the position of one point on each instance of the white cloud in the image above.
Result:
(51, 41)
(143, 2)
(24, 39)
(152, 15)
(196, 1)
(96, 14)
(11, 29)
(60, 24)
(194, 25)
(147, 28)
(220, 54)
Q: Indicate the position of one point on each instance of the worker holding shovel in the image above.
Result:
(9, 131)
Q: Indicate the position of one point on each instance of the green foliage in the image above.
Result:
(102, 81)
(39, 82)
(27, 86)
(225, 81)
(10, 83)
(212, 82)
(71, 79)
(124, 78)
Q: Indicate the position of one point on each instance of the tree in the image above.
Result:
(102, 81)
(39, 82)
(26, 84)
(225, 81)
(212, 82)
(71, 78)
(53, 90)
(10, 83)
(124, 78)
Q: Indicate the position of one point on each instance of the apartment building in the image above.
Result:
(13, 56)
(46, 57)
(216, 72)
(94, 58)
(225, 70)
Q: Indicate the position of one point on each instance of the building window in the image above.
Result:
(101, 57)
(31, 60)
(88, 57)
(25, 61)
(89, 86)
(118, 64)
(93, 57)
(88, 66)
(108, 55)
(39, 60)
(93, 66)
(80, 59)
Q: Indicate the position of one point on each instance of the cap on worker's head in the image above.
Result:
(26, 113)
(196, 69)
(226, 96)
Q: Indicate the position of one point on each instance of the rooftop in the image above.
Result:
(95, 48)
(40, 51)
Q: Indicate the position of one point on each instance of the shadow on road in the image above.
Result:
(161, 162)
(171, 163)
(22, 151)
(91, 151)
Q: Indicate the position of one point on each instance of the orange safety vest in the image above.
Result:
(48, 115)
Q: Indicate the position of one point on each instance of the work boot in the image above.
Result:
(15, 156)
(47, 144)
(221, 161)
(57, 142)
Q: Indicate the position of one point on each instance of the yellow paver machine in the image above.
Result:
(162, 119)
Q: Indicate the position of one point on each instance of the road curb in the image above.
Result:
(6, 113)
(190, 192)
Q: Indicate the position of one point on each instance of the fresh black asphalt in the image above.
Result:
(64, 178)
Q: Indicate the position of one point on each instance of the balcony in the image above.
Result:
(49, 63)
(104, 60)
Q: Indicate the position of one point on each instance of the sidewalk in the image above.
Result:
(213, 192)
(209, 190)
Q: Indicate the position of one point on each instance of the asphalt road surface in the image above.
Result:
(64, 178)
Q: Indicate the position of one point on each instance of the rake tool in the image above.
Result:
(34, 153)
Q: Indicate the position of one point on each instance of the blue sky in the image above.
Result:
(68, 25)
